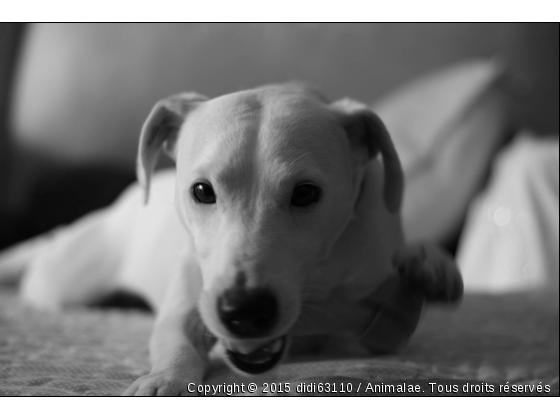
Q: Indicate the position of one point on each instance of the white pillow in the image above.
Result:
(446, 127)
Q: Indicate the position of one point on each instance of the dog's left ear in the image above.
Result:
(368, 136)
(161, 130)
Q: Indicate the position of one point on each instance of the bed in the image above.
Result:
(488, 340)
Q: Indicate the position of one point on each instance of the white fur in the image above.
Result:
(253, 146)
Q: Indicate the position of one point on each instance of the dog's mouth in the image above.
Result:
(260, 360)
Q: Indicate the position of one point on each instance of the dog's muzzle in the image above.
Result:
(260, 360)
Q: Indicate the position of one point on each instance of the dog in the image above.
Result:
(281, 220)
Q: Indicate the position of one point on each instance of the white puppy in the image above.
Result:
(284, 223)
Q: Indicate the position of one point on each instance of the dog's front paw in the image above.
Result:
(430, 270)
(162, 384)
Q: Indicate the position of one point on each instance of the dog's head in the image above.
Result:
(267, 181)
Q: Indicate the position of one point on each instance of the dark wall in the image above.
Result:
(84, 89)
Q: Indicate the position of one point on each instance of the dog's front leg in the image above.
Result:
(179, 344)
(179, 358)
(420, 273)
(430, 270)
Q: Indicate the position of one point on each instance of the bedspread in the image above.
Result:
(488, 341)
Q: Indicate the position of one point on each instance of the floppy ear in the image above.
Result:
(368, 135)
(161, 129)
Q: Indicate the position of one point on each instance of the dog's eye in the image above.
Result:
(203, 193)
(305, 195)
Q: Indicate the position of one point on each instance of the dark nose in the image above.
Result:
(248, 313)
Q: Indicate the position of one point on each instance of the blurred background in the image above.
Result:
(74, 96)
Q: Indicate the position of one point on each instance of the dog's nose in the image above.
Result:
(248, 313)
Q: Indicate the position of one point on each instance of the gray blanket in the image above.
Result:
(486, 343)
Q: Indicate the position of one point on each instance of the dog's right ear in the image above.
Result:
(161, 130)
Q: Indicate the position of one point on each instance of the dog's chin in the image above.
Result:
(260, 360)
